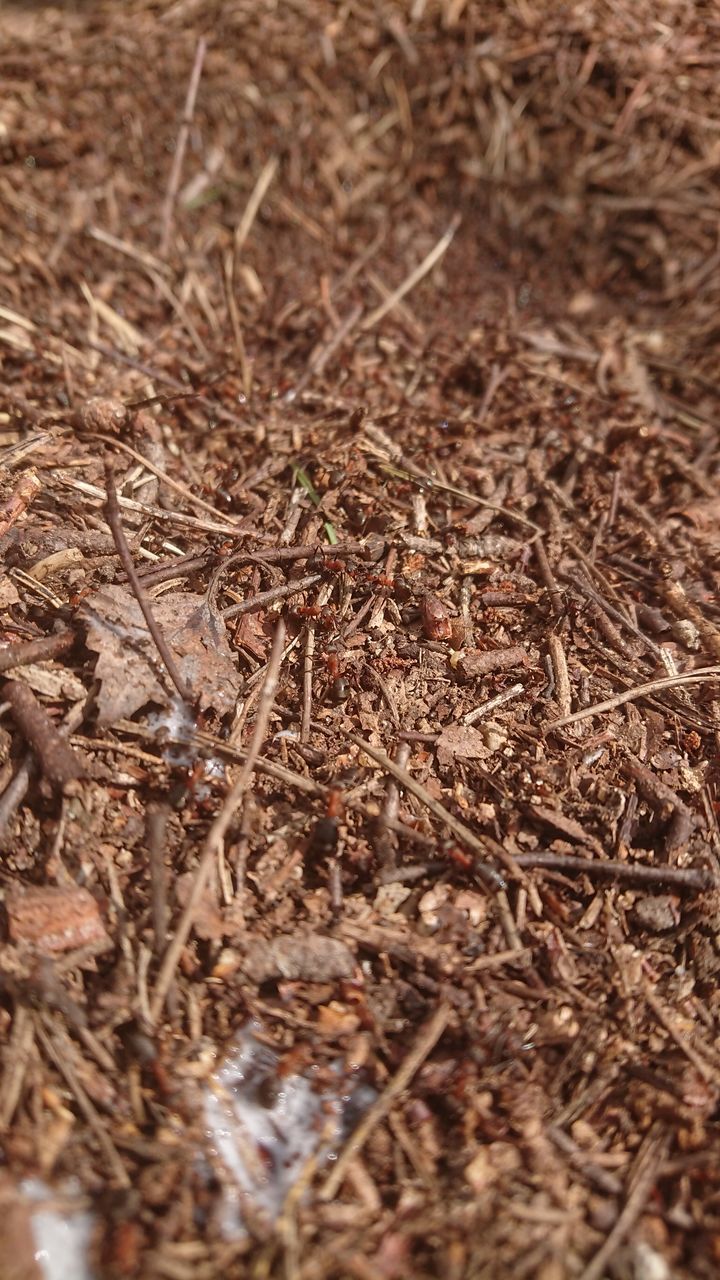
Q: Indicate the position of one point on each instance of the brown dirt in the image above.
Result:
(437, 578)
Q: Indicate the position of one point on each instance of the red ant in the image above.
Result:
(336, 566)
(338, 688)
(322, 613)
(324, 835)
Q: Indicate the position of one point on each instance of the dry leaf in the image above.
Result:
(461, 741)
(129, 668)
(54, 919)
(251, 633)
(8, 592)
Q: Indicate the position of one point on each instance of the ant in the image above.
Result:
(324, 835)
(458, 856)
(376, 581)
(338, 689)
(321, 613)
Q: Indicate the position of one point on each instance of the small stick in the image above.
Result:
(468, 837)
(492, 704)
(58, 760)
(676, 599)
(216, 834)
(257, 196)
(323, 596)
(424, 1045)
(179, 156)
(650, 877)
(184, 567)
(114, 519)
(486, 662)
(193, 498)
(548, 577)
(15, 792)
(17, 1055)
(308, 656)
(637, 691)
(406, 875)
(385, 843)
(415, 276)
(560, 674)
(591, 594)
(680, 1036)
(264, 598)
(150, 512)
(155, 831)
(21, 655)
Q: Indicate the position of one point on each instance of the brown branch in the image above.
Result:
(548, 577)
(695, 879)
(114, 519)
(40, 650)
(59, 763)
(264, 598)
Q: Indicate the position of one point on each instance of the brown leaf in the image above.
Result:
(252, 635)
(129, 667)
(462, 741)
(54, 919)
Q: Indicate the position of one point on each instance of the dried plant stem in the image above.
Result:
(560, 674)
(691, 878)
(216, 834)
(548, 577)
(257, 196)
(114, 519)
(263, 598)
(15, 792)
(17, 1053)
(156, 834)
(699, 676)
(179, 156)
(421, 270)
(193, 498)
(424, 1045)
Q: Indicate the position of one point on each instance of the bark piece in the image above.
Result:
(310, 957)
(54, 919)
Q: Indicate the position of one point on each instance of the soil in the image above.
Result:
(361, 640)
